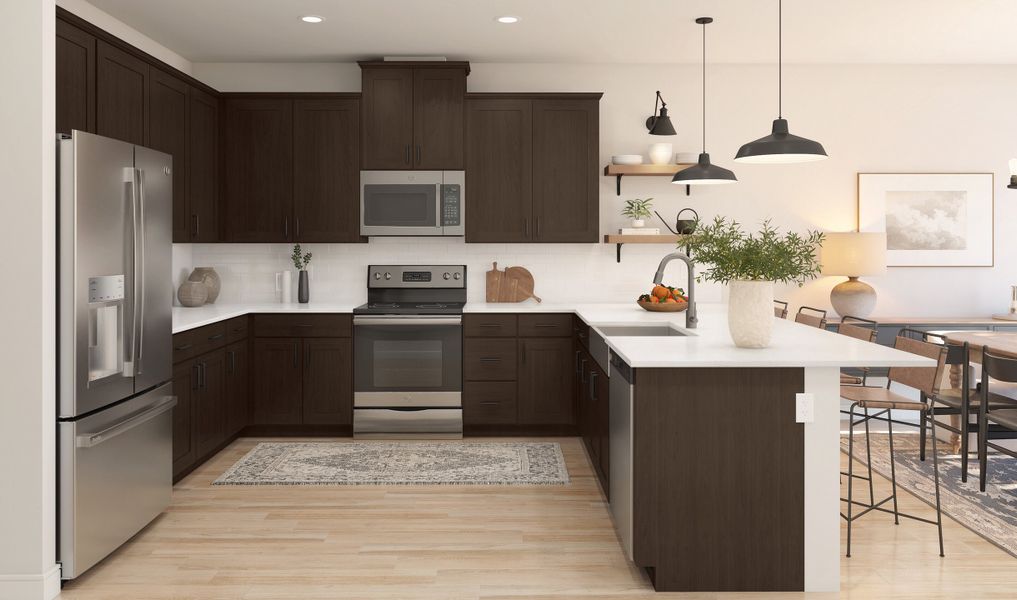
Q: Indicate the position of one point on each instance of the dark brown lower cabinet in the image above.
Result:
(328, 381)
(236, 387)
(184, 379)
(593, 412)
(209, 402)
(278, 381)
(546, 389)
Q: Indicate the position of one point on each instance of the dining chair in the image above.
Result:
(994, 369)
(815, 317)
(780, 309)
(884, 401)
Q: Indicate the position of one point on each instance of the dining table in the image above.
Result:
(998, 342)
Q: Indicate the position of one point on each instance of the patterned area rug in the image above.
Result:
(399, 463)
(992, 514)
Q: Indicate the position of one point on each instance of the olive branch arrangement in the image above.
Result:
(300, 260)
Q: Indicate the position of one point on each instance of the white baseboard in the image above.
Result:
(45, 586)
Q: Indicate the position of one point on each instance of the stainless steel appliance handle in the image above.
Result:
(410, 320)
(130, 343)
(88, 440)
(140, 273)
(440, 216)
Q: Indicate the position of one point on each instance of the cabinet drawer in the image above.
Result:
(318, 325)
(191, 343)
(489, 403)
(236, 329)
(548, 325)
(490, 360)
(486, 325)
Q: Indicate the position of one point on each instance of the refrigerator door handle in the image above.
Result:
(131, 343)
(140, 273)
(88, 440)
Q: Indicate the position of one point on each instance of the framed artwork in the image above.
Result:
(930, 219)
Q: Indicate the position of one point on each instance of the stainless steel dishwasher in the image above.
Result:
(621, 407)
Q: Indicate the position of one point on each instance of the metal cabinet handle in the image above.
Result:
(489, 325)
(537, 227)
(546, 326)
(215, 337)
(196, 376)
(593, 385)
(489, 359)
(407, 154)
(526, 228)
(196, 228)
(579, 356)
(232, 361)
(582, 373)
(303, 325)
(296, 227)
(489, 402)
(286, 227)
(184, 347)
(418, 154)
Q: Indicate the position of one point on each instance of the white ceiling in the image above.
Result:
(585, 31)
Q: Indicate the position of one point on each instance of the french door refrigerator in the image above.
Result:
(115, 408)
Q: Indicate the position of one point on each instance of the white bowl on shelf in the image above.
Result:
(688, 158)
(627, 159)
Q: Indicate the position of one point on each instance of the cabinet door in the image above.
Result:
(328, 381)
(438, 99)
(185, 379)
(387, 105)
(236, 387)
(566, 202)
(602, 431)
(167, 132)
(259, 170)
(75, 79)
(202, 216)
(545, 381)
(326, 148)
(278, 379)
(499, 170)
(121, 94)
(210, 403)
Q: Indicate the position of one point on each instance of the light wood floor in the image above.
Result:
(469, 542)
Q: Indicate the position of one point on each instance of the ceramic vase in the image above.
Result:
(660, 154)
(750, 313)
(192, 293)
(303, 289)
(637, 223)
(210, 278)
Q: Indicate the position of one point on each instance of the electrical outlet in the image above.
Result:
(805, 408)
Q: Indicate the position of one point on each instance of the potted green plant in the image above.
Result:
(638, 210)
(750, 263)
(300, 261)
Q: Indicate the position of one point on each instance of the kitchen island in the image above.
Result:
(727, 491)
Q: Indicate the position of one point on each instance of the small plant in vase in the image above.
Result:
(750, 263)
(638, 210)
(300, 261)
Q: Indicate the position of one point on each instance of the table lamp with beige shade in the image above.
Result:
(853, 254)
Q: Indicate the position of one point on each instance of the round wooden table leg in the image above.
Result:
(956, 381)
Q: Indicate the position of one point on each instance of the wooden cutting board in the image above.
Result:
(514, 284)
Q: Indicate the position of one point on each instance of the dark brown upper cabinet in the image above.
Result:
(326, 167)
(412, 115)
(201, 209)
(259, 169)
(75, 79)
(499, 171)
(531, 168)
(167, 132)
(121, 94)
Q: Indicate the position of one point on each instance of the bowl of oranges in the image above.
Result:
(664, 298)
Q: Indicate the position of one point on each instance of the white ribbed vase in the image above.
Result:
(750, 313)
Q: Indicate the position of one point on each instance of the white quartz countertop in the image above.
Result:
(709, 345)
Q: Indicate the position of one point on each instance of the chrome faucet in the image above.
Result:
(691, 320)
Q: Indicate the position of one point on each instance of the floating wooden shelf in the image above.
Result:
(619, 171)
(619, 240)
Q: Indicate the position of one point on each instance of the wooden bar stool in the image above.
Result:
(998, 369)
(883, 400)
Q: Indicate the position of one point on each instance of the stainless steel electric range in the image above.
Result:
(408, 352)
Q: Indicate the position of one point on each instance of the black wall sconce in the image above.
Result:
(660, 124)
(1013, 174)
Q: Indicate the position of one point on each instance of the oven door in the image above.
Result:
(400, 203)
(407, 361)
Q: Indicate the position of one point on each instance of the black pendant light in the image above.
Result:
(780, 146)
(660, 124)
(704, 173)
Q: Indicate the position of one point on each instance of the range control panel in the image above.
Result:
(416, 276)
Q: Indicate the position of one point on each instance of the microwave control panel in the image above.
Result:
(451, 200)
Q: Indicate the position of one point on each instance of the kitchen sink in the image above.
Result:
(655, 330)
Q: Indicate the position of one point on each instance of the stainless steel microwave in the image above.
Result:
(412, 203)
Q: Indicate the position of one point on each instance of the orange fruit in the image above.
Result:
(661, 292)
(671, 301)
(654, 300)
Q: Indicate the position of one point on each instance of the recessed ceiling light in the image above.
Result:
(508, 19)
(312, 19)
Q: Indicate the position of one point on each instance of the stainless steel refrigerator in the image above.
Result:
(115, 428)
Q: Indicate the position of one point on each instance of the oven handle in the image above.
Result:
(411, 320)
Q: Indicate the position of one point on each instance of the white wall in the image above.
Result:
(896, 118)
(132, 36)
(27, 411)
